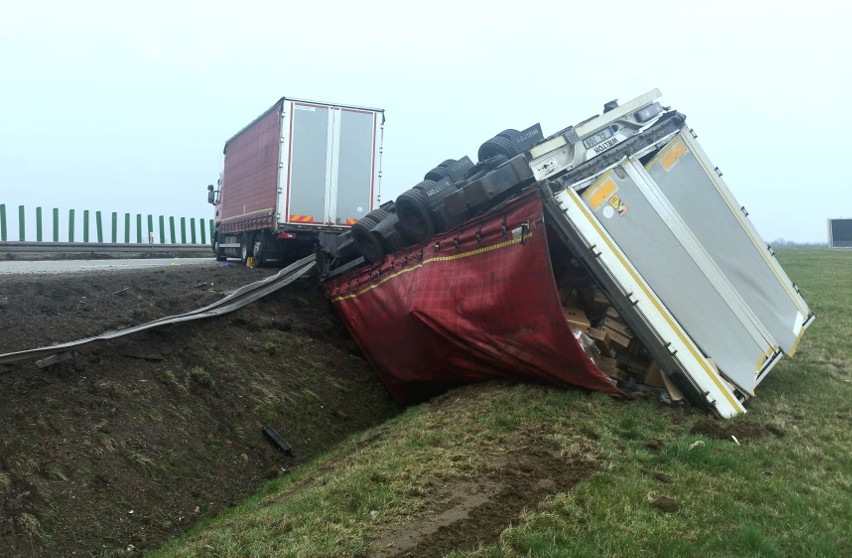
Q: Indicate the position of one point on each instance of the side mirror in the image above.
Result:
(211, 195)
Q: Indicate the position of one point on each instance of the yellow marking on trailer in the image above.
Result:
(601, 191)
(673, 153)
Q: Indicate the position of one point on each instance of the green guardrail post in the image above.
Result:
(127, 228)
(70, 225)
(192, 230)
(56, 224)
(212, 230)
(38, 224)
(201, 228)
(22, 226)
(182, 230)
(85, 225)
(138, 228)
(151, 229)
(162, 230)
(3, 222)
(172, 228)
(114, 227)
(99, 226)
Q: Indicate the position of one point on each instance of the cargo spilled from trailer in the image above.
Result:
(688, 302)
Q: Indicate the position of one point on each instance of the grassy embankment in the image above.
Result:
(652, 480)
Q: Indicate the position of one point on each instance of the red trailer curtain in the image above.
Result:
(476, 303)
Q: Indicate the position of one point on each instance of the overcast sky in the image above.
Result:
(118, 108)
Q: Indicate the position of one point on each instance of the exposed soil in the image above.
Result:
(135, 440)
(742, 431)
(476, 512)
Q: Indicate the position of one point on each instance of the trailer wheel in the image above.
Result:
(257, 250)
(509, 134)
(368, 245)
(218, 251)
(414, 218)
(440, 172)
(372, 218)
(498, 145)
(245, 247)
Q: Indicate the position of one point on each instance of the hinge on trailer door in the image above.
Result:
(595, 254)
(694, 135)
(719, 172)
(743, 209)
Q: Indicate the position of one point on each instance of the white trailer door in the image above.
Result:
(309, 172)
(355, 180)
(695, 190)
(331, 163)
(684, 278)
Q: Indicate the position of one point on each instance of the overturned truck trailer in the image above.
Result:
(610, 255)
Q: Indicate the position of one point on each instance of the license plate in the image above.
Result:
(592, 141)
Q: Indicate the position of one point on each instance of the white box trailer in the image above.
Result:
(299, 170)
(652, 219)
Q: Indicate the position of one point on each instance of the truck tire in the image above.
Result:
(245, 247)
(414, 218)
(220, 253)
(440, 171)
(509, 134)
(257, 250)
(372, 218)
(497, 145)
(217, 251)
(368, 245)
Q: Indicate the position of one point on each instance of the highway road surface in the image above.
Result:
(105, 266)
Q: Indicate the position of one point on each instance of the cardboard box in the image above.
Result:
(617, 326)
(654, 376)
(618, 341)
(602, 340)
(674, 393)
(577, 319)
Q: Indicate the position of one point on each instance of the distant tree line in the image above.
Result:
(781, 243)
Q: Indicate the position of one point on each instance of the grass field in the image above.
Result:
(623, 479)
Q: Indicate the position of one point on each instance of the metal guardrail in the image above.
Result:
(241, 297)
(101, 248)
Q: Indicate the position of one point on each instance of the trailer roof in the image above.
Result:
(278, 104)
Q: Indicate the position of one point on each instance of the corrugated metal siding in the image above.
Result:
(250, 179)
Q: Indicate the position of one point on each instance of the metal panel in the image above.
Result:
(692, 187)
(250, 174)
(610, 265)
(619, 201)
(309, 173)
(356, 162)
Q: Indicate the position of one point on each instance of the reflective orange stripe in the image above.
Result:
(351, 221)
(301, 218)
